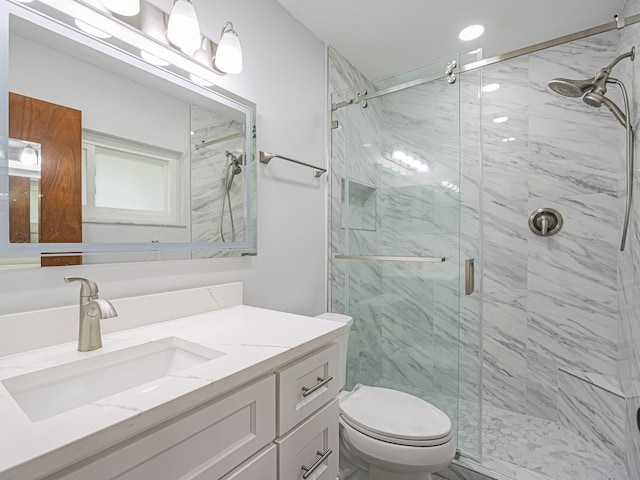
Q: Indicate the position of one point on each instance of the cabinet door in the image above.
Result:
(261, 466)
(306, 385)
(310, 451)
(213, 438)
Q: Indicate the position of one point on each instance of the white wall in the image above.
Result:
(284, 74)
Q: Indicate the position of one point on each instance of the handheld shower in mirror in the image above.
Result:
(594, 93)
(234, 167)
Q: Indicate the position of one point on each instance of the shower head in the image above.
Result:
(598, 84)
(570, 88)
(235, 163)
(595, 99)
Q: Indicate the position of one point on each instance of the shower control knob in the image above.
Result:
(545, 222)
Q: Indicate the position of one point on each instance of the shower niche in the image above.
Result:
(359, 206)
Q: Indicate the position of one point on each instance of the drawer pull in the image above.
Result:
(310, 470)
(306, 391)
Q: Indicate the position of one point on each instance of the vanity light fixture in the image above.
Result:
(229, 54)
(127, 8)
(471, 33)
(29, 156)
(154, 36)
(183, 29)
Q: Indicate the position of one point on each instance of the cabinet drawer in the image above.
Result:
(205, 443)
(301, 451)
(260, 467)
(306, 385)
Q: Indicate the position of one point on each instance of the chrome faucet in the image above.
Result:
(92, 310)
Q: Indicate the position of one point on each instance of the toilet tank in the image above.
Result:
(342, 341)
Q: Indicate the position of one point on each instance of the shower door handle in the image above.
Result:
(469, 273)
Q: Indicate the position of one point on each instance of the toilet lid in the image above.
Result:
(392, 415)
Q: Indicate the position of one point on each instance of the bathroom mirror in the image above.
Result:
(106, 157)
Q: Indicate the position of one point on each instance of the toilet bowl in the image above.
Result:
(389, 435)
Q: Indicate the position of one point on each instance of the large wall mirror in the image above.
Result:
(108, 158)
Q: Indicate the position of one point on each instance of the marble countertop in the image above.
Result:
(255, 342)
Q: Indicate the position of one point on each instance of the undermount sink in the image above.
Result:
(51, 391)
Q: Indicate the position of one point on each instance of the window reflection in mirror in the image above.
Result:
(156, 163)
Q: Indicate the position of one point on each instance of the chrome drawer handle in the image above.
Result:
(310, 470)
(306, 391)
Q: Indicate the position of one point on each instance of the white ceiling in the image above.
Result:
(383, 37)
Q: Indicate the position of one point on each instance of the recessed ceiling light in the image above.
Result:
(500, 119)
(492, 87)
(471, 32)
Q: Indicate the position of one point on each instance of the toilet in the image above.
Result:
(386, 434)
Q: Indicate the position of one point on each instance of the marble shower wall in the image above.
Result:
(629, 260)
(549, 302)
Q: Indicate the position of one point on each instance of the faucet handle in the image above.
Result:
(88, 288)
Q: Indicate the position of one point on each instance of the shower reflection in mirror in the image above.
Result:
(217, 177)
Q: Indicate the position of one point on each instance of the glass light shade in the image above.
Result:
(201, 56)
(29, 156)
(229, 53)
(127, 8)
(183, 29)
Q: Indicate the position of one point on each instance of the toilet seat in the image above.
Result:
(395, 417)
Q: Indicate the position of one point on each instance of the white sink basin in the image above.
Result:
(50, 391)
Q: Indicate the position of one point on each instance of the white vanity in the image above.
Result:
(188, 385)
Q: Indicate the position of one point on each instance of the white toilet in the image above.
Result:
(386, 434)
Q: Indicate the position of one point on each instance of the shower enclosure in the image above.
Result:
(403, 221)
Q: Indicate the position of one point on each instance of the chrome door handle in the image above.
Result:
(310, 470)
(306, 391)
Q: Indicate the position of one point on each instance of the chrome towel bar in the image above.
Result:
(267, 157)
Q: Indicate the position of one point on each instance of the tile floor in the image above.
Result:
(522, 447)
(528, 448)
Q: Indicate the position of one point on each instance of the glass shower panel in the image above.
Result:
(395, 196)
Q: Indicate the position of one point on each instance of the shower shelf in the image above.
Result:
(384, 258)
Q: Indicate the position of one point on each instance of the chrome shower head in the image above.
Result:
(570, 88)
(595, 99)
(236, 169)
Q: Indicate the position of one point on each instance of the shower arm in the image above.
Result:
(630, 160)
(618, 59)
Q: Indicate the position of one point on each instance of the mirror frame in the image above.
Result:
(10, 8)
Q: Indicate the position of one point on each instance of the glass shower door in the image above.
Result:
(395, 236)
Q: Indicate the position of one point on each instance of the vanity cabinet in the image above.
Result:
(262, 466)
(306, 385)
(283, 426)
(203, 444)
(310, 450)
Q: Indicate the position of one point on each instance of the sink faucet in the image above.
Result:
(92, 310)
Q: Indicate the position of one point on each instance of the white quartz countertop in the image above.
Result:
(255, 342)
